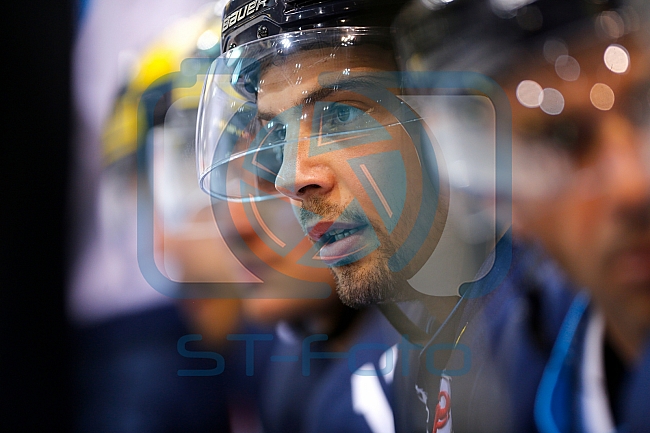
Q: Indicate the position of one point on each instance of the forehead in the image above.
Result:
(288, 80)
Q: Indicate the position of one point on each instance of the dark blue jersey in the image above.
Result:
(480, 369)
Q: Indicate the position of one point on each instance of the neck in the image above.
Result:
(438, 306)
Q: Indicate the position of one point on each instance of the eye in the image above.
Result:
(276, 133)
(345, 113)
(573, 134)
(280, 133)
(636, 104)
(338, 118)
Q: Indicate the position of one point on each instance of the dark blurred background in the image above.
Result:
(36, 36)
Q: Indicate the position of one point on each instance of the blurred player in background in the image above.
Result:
(576, 76)
(125, 357)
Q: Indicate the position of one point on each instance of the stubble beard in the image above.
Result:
(368, 280)
(361, 284)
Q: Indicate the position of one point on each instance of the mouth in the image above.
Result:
(327, 233)
(339, 243)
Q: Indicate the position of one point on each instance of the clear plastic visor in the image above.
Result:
(414, 162)
(323, 86)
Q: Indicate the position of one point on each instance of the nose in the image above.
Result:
(305, 173)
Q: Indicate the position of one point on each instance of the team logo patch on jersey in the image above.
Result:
(442, 416)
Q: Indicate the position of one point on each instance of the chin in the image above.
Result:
(361, 284)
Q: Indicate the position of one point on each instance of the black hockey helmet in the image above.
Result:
(249, 20)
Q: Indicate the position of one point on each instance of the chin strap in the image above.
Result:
(404, 325)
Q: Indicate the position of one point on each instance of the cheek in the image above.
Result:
(572, 229)
(578, 224)
(386, 178)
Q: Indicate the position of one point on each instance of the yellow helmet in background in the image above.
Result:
(197, 36)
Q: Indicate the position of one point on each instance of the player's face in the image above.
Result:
(595, 218)
(338, 177)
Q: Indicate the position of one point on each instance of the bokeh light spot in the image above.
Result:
(554, 48)
(207, 40)
(552, 101)
(617, 59)
(529, 93)
(567, 68)
(611, 24)
(602, 96)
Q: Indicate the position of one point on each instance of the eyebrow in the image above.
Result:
(322, 93)
(310, 99)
